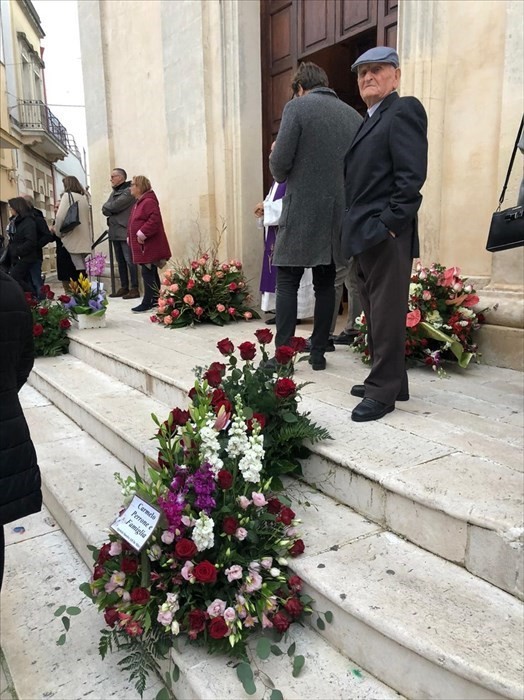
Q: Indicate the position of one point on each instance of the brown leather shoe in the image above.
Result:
(132, 294)
(120, 292)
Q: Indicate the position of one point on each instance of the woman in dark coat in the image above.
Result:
(20, 493)
(23, 247)
(147, 239)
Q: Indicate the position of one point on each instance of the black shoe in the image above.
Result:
(330, 347)
(369, 409)
(359, 390)
(317, 362)
(345, 338)
(271, 321)
(143, 307)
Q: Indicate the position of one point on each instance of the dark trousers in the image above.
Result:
(124, 261)
(288, 282)
(151, 284)
(383, 274)
(35, 275)
(20, 271)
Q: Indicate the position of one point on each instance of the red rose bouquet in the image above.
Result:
(440, 321)
(50, 324)
(217, 567)
(203, 290)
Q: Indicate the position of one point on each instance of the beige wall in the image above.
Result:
(182, 105)
(465, 61)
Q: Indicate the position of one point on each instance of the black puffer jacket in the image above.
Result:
(20, 492)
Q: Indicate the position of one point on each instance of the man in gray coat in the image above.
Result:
(315, 133)
(117, 209)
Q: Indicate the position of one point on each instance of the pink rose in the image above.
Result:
(426, 295)
(244, 502)
(175, 313)
(187, 571)
(248, 315)
(167, 537)
(206, 278)
(188, 299)
(216, 608)
(173, 288)
(241, 533)
(229, 614)
(220, 308)
(231, 311)
(219, 274)
(199, 311)
(258, 499)
(413, 318)
(168, 320)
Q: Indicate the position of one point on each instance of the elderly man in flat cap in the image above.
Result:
(385, 170)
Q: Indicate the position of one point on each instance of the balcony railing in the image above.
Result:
(34, 115)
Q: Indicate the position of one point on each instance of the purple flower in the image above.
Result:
(95, 304)
(204, 485)
(72, 302)
(96, 265)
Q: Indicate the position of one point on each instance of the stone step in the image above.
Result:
(435, 471)
(420, 624)
(84, 498)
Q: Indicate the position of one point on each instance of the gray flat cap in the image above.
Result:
(380, 54)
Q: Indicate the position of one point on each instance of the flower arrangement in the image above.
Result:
(85, 297)
(440, 321)
(50, 324)
(203, 290)
(216, 568)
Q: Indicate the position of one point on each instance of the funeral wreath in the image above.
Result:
(218, 529)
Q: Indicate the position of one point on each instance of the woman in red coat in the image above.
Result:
(147, 239)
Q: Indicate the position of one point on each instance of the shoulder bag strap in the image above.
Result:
(512, 159)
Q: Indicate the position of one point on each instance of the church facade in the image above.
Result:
(190, 94)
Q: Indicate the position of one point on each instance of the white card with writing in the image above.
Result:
(137, 523)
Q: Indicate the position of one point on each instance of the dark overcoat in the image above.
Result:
(20, 493)
(385, 170)
(314, 136)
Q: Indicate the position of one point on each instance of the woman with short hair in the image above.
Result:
(78, 241)
(147, 239)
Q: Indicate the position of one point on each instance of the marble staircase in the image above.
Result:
(413, 524)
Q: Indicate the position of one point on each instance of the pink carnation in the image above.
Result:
(188, 299)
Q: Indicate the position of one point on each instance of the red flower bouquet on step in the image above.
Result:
(440, 321)
(218, 566)
(50, 324)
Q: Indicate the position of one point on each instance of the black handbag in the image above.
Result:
(72, 218)
(507, 226)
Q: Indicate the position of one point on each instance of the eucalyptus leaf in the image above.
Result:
(162, 694)
(73, 610)
(245, 676)
(60, 611)
(329, 616)
(298, 664)
(321, 624)
(276, 695)
(291, 649)
(66, 622)
(61, 640)
(263, 648)
(277, 651)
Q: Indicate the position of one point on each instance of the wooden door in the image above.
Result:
(331, 33)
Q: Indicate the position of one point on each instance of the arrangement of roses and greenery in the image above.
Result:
(203, 290)
(87, 296)
(441, 319)
(216, 569)
(50, 324)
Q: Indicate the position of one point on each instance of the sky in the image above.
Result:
(63, 66)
